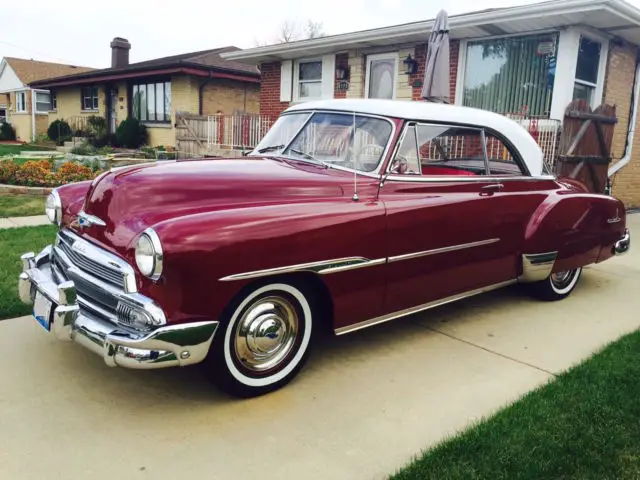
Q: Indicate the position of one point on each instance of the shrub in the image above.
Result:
(35, 173)
(8, 169)
(83, 149)
(131, 133)
(7, 132)
(59, 131)
(70, 172)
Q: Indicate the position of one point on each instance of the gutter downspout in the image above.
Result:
(33, 114)
(201, 90)
(628, 149)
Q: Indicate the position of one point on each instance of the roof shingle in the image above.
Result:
(32, 70)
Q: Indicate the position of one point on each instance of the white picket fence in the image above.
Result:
(236, 131)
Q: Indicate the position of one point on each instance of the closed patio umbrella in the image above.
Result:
(436, 86)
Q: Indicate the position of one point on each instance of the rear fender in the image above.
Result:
(576, 226)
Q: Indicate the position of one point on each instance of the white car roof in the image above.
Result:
(441, 113)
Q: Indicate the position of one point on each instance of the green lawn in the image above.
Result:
(21, 206)
(13, 243)
(13, 149)
(584, 425)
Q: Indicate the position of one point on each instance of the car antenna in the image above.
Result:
(355, 171)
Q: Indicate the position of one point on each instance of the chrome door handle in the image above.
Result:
(493, 187)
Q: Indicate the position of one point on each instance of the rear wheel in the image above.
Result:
(265, 341)
(558, 285)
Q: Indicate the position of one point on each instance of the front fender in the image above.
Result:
(201, 249)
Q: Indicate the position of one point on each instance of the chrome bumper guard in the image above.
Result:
(169, 346)
(622, 246)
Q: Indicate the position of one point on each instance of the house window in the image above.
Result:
(90, 98)
(511, 75)
(309, 79)
(43, 102)
(587, 70)
(151, 102)
(21, 101)
(381, 76)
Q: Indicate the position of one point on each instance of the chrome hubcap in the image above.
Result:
(562, 279)
(266, 333)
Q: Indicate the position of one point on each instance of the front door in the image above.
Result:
(443, 225)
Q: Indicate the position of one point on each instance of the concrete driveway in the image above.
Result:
(365, 404)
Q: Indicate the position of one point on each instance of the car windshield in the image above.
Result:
(334, 139)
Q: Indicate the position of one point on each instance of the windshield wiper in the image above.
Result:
(306, 156)
(271, 148)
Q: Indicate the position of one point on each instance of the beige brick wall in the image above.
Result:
(228, 97)
(357, 66)
(22, 124)
(162, 135)
(618, 92)
(69, 104)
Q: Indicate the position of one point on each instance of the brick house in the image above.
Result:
(199, 83)
(16, 96)
(534, 59)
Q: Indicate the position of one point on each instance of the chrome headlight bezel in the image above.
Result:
(53, 208)
(148, 254)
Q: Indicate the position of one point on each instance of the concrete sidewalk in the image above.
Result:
(364, 405)
(16, 222)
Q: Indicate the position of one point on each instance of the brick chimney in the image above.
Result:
(120, 52)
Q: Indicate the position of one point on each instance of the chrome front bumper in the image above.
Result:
(622, 246)
(169, 346)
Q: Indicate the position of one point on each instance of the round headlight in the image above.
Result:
(53, 208)
(149, 254)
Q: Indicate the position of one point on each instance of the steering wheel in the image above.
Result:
(356, 157)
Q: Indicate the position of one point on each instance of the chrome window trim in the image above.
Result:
(374, 173)
(436, 251)
(456, 178)
(105, 258)
(420, 308)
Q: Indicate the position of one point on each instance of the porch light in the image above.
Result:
(343, 72)
(410, 65)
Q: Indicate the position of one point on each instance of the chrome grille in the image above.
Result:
(89, 265)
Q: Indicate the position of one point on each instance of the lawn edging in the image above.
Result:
(22, 190)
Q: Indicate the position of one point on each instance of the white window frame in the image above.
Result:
(381, 56)
(296, 79)
(21, 107)
(566, 63)
(34, 94)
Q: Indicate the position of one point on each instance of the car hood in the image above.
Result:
(130, 199)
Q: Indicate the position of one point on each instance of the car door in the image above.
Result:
(442, 224)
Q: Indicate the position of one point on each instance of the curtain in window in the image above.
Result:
(511, 75)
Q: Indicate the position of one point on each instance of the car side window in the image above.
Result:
(406, 161)
(448, 150)
(502, 162)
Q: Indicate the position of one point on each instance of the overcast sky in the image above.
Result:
(79, 32)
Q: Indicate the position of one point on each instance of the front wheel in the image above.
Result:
(558, 285)
(263, 342)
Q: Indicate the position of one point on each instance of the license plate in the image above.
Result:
(42, 310)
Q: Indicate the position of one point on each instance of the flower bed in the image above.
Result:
(43, 173)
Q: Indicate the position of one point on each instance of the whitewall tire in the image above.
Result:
(263, 341)
(558, 285)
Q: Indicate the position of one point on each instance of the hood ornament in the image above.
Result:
(85, 220)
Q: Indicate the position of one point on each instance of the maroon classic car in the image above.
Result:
(348, 214)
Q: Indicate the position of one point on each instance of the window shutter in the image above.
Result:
(328, 75)
(286, 71)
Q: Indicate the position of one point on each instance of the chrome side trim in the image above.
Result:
(324, 267)
(537, 267)
(464, 178)
(437, 251)
(419, 308)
